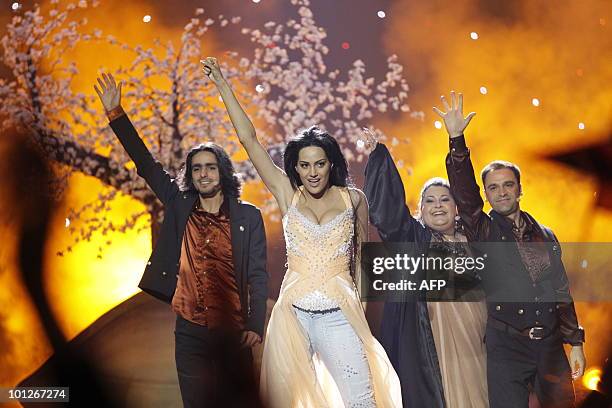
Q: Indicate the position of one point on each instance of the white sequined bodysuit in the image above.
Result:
(318, 278)
(312, 235)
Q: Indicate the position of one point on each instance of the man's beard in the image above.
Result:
(211, 193)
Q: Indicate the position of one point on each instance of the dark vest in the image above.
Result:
(512, 296)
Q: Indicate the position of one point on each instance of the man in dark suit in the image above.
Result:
(209, 263)
(531, 312)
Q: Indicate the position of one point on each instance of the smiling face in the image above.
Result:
(313, 168)
(438, 209)
(205, 174)
(503, 191)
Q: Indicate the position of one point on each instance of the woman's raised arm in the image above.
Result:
(273, 177)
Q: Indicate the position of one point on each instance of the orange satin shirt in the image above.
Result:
(206, 291)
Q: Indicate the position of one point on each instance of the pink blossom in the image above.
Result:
(288, 59)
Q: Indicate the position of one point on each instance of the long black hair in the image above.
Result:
(313, 136)
(231, 184)
(339, 176)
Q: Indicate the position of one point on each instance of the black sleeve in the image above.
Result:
(257, 276)
(387, 199)
(465, 190)
(146, 166)
(568, 320)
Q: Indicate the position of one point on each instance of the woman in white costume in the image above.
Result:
(318, 310)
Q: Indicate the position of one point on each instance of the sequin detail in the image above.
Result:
(333, 241)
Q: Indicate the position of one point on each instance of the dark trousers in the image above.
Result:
(517, 363)
(213, 370)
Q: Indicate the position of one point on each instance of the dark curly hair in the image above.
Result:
(231, 184)
(313, 136)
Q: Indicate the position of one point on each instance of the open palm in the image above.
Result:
(109, 92)
(453, 118)
(370, 140)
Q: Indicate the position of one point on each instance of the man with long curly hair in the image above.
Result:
(209, 263)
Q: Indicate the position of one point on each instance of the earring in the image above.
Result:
(458, 224)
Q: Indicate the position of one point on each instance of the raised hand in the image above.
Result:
(211, 70)
(369, 139)
(110, 96)
(453, 118)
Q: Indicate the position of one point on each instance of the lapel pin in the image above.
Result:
(241, 228)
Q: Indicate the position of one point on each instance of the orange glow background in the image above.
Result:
(558, 53)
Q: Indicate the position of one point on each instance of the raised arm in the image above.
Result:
(146, 166)
(387, 199)
(460, 171)
(273, 177)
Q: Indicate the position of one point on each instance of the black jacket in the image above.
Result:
(513, 297)
(405, 331)
(247, 234)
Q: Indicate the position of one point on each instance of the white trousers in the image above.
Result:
(337, 345)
